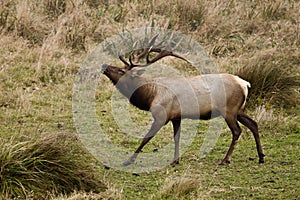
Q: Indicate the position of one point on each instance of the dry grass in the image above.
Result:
(44, 42)
(274, 77)
(180, 188)
(110, 193)
(46, 164)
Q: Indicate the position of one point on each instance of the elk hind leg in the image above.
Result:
(236, 132)
(252, 125)
(176, 128)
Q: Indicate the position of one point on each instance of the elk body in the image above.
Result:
(173, 99)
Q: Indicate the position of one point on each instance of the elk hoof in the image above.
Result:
(261, 161)
(224, 162)
(127, 162)
(174, 162)
(261, 158)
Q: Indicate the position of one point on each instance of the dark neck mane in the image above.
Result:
(140, 91)
(143, 96)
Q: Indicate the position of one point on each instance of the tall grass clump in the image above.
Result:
(273, 11)
(6, 19)
(179, 187)
(274, 78)
(45, 165)
(182, 15)
(55, 8)
(191, 14)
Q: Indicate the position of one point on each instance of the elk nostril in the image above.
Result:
(103, 67)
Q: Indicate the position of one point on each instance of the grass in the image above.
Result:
(273, 77)
(198, 178)
(43, 45)
(44, 165)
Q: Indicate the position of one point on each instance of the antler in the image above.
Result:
(146, 52)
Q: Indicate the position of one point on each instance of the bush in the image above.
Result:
(42, 164)
(274, 78)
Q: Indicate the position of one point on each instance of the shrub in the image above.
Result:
(274, 78)
(42, 164)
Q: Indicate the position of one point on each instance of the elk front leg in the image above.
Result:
(176, 128)
(156, 126)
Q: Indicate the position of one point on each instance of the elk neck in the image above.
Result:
(139, 90)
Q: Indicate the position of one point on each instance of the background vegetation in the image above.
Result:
(43, 44)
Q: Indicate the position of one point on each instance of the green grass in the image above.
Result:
(43, 45)
(203, 178)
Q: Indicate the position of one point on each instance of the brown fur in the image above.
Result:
(143, 96)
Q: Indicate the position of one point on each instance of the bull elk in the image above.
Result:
(172, 99)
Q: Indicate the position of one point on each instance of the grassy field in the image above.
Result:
(43, 45)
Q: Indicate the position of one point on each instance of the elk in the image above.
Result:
(175, 98)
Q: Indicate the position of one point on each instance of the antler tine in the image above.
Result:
(177, 44)
(151, 43)
(147, 49)
(145, 52)
(151, 48)
(164, 53)
(130, 64)
(123, 60)
(130, 61)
